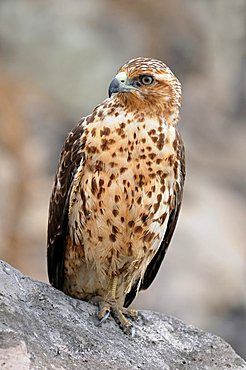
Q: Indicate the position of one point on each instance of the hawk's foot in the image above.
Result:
(110, 306)
(119, 314)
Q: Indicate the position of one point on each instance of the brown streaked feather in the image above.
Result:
(70, 158)
(155, 263)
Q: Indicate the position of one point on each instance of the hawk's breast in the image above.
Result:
(123, 191)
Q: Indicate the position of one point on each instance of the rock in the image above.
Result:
(42, 328)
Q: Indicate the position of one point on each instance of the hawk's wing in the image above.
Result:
(156, 261)
(70, 158)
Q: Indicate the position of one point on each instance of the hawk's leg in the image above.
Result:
(109, 305)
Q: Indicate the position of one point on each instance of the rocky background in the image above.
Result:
(57, 59)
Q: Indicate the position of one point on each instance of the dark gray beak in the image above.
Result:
(120, 84)
(114, 87)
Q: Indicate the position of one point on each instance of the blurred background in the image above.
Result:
(57, 59)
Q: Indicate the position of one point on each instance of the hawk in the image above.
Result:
(117, 192)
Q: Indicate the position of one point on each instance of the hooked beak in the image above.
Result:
(120, 84)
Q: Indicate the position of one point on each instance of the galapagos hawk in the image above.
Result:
(117, 191)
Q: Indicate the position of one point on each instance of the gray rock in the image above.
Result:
(42, 328)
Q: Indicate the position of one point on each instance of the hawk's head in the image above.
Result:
(149, 85)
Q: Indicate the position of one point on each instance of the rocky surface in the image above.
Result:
(41, 328)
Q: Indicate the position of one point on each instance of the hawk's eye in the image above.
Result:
(146, 80)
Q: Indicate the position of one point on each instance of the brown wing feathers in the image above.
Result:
(156, 261)
(70, 159)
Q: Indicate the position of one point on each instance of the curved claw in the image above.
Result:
(129, 329)
(104, 318)
(133, 331)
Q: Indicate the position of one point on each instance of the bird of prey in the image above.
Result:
(117, 192)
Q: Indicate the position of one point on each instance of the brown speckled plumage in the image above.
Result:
(118, 188)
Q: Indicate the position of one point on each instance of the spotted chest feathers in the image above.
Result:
(123, 192)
